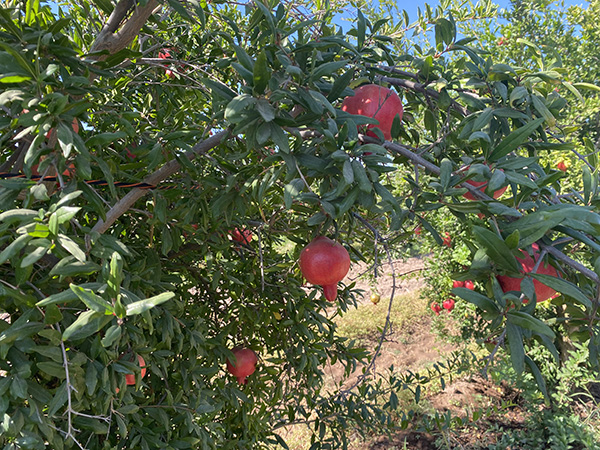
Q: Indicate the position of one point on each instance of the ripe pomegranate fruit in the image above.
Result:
(457, 284)
(243, 365)
(325, 262)
(447, 240)
(130, 377)
(470, 285)
(448, 304)
(482, 185)
(378, 102)
(243, 236)
(562, 166)
(436, 308)
(542, 292)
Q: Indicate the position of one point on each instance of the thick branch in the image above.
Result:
(111, 38)
(155, 178)
(418, 87)
(560, 256)
(431, 167)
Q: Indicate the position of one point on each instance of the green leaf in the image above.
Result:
(529, 322)
(243, 57)
(514, 140)
(445, 173)
(564, 287)
(477, 299)
(361, 29)
(589, 86)
(149, 303)
(348, 172)
(21, 328)
(59, 399)
(327, 69)
(69, 245)
(261, 73)
(496, 249)
(112, 335)
(65, 213)
(219, 89)
(116, 275)
(37, 253)
(515, 343)
(340, 84)
(88, 323)
(91, 378)
(53, 369)
(14, 247)
(18, 215)
(360, 175)
(539, 379)
(91, 300)
(103, 139)
(541, 107)
(70, 267)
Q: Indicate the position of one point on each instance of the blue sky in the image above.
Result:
(412, 5)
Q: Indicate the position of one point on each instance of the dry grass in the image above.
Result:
(364, 324)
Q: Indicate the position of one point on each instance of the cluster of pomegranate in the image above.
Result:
(449, 303)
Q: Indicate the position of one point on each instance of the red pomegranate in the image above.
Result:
(325, 262)
(457, 284)
(482, 185)
(436, 308)
(244, 364)
(448, 304)
(542, 292)
(470, 285)
(130, 377)
(447, 241)
(378, 102)
(243, 236)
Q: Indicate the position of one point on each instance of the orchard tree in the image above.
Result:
(165, 164)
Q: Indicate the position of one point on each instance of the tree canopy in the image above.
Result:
(140, 139)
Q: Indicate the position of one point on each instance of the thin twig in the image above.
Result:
(490, 358)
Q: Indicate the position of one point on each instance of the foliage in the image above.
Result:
(560, 426)
(240, 127)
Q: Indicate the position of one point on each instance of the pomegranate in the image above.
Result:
(244, 364)
(542, 292)
(130, 377)
(448, 304)
(243, 236)
(457, 284)
(447, 240)
(378, 102)
(482, 185)
(470, 285)
(436, 308)
(325, 262)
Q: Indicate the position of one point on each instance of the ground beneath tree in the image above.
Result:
(413, 346)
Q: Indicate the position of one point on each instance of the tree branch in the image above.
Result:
(418, 87)
(111, 38)
(155, 178)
